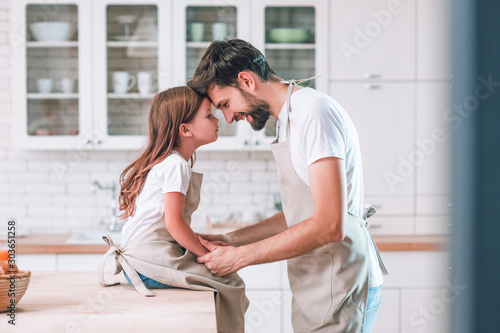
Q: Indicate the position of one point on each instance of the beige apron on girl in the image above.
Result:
(155, 254)
(330, 284)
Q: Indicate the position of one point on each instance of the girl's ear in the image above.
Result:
(185, 131)
(247, 80)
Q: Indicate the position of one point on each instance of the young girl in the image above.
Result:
(159, 192)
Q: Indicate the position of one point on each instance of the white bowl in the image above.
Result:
(52, 31)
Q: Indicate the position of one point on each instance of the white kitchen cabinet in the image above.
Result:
(190, 49)
(383, 114)
(265, 311)
(426, 310)
(389, 312)
(133, 38)
(292, 60)
(380, 225)
(46, 114)
(433, 138)
(92, 115)
(372, 39)
(433, 42)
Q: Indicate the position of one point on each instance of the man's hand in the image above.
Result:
(222, 260)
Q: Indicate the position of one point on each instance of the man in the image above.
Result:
(334, 269)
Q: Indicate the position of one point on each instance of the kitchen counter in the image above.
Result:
(59, 301)
(56, 243)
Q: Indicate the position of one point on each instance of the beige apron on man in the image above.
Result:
(155, 254)
(330, 284)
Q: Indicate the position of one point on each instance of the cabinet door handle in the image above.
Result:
(372, 86)
(97, 141)
(257, 142)
(374, 226)
(372, 76)
(87, 141)
(246, 142)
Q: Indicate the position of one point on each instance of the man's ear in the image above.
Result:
(185, 131)
(247, 80)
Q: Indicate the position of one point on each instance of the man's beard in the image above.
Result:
(258, 109)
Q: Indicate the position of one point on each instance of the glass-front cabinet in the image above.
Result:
(51, 52)
(87, 71)
(294, 41)
(131, 66)
(204, 22)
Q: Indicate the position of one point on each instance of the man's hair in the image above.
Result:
(224, 60)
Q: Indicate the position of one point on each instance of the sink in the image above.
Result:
(94, 237)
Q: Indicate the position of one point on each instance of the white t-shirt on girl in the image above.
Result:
(321, 128)
(173, 174)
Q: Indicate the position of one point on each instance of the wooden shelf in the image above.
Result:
(198, 45)
(290, 46)
(52, 96)
(51, 44)
(132, 44)
(130, 96)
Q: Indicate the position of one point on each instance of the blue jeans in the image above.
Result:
(149, 283)
(372, 307)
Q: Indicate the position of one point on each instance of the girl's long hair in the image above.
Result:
(169, 109)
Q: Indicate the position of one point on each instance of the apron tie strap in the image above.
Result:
(292, 81)
(121, 264)
(369, 212)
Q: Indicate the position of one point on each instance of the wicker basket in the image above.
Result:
(21, 284)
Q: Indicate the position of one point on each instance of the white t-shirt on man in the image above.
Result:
(319, 128)
(173, 174)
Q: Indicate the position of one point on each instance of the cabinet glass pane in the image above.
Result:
(290, 48)
(204, 25)
(300, 18)
(132, 66)
(52, 69)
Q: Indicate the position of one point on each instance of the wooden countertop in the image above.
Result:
(56, 243)
(65, 301)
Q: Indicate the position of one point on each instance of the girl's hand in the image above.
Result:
(219, 243)
(216, 237)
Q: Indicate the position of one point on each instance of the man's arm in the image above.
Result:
(252, 233)
(326, 225)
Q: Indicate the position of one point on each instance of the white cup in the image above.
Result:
(44, 85)
(196, 31)
(66, 85)
(145, 82)
(123, 82)
(220, 30)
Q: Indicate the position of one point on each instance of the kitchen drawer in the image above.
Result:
(416, 269)
(433, 225)
(386, 205)
(265, 311)
(393, 226)
(433, 205)
(265, 276)
(426, 310)
(36, 262)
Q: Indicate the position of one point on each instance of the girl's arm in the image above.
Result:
(177, 227)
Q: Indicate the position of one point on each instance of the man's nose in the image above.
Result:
(228, 115)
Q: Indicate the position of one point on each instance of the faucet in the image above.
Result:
(113, 224)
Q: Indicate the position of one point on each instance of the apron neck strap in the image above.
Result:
(292, 83)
